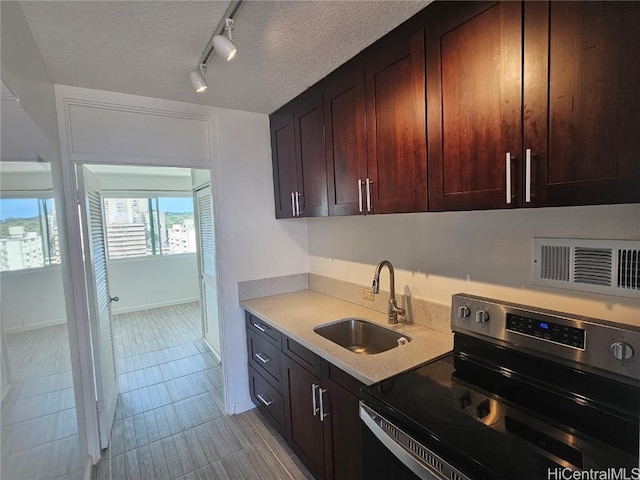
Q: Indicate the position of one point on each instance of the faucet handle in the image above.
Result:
(375, 286)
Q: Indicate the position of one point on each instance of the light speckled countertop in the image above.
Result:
(296, 315)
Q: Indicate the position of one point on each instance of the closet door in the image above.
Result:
(208, 275)
(99, 300)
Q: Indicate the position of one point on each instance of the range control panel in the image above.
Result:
(612, 348)
(553, 332)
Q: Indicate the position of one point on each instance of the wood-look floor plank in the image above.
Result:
(171, 457)
(184, 454)
(227, 469)
(160, 467)
(262, 469)
(132, 466)
(145, 461)
(245, 466)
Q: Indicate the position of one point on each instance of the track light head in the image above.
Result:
(223, 45)
(197, 78)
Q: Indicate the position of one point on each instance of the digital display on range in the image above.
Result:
(552, 332)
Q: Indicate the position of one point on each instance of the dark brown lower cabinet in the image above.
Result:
(311, 402)
(302, 406)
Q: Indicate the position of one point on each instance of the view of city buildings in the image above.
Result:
(134, 227)
(138, 227)
(30, 242)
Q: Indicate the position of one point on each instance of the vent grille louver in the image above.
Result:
(610, 267)
(556, 262)
(593, 266)
(629, 269)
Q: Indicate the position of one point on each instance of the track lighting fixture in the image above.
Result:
(197, 78)
(224, 46)
(218, 43)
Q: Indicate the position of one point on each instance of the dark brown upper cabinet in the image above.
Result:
(286, 172)
(375, 130)
(581, 105)
(297, 146)
(474, 98)
(344, 114)
(395, 125)
(532, 104)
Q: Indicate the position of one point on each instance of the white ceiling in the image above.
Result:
(149, 47)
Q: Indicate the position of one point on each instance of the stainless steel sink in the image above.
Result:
(361, 336)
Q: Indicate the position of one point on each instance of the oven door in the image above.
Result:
(390, 453)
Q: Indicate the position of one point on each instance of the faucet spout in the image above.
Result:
(393, 310)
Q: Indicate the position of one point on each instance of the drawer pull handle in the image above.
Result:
(322, 391)
(264, 358)
(264, 400)
(259, 327)
(314, 387)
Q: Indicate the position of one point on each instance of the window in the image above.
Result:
(143, 226)
(28, 233)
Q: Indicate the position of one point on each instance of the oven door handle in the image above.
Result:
(423, 470)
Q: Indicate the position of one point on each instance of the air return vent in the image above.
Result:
(610, 267)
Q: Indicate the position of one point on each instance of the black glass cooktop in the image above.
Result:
(496, 413)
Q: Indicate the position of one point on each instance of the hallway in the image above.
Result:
(169, 420)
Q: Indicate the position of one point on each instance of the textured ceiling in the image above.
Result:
(149, 48)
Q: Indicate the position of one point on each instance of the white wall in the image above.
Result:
(486, 253)
(153, 281)
(252, 243)
(32, 298)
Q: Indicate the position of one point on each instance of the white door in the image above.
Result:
(95, 261)
(207, 256)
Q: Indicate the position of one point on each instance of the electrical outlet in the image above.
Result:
(367, 295)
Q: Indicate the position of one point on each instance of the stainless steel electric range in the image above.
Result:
(526, 394)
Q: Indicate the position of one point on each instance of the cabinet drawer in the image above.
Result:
(268, 400)
(301, 355)
(342, 378)
(257, 326)
(266, 358)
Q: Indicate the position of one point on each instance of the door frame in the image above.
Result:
(78, 317)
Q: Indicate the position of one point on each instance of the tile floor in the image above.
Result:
(169, 421)
(38, 414)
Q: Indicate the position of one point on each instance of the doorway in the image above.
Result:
(152, 230)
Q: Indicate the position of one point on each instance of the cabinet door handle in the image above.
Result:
(293, 205)
(298, 203)
(266, 401)
(360, 195)
(314, 387)
(369, 182)
(264, 358)
(322, 414)
(508, 176)
(527, 176)
(259, 327)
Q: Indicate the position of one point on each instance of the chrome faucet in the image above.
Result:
(393, 309)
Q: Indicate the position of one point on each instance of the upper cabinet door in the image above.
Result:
(582, 102)
(474, 98)
(345, 139)
(309, 130)
(396, 132)
(285, 165)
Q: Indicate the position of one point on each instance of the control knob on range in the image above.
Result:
(482, 316)
(463, 311)
(622, 350)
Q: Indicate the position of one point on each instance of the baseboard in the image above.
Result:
(36, 326)
(138, 308)
(243, 406)
(215, 353)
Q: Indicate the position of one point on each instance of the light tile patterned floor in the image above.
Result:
(39, 426)
(169, 420)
